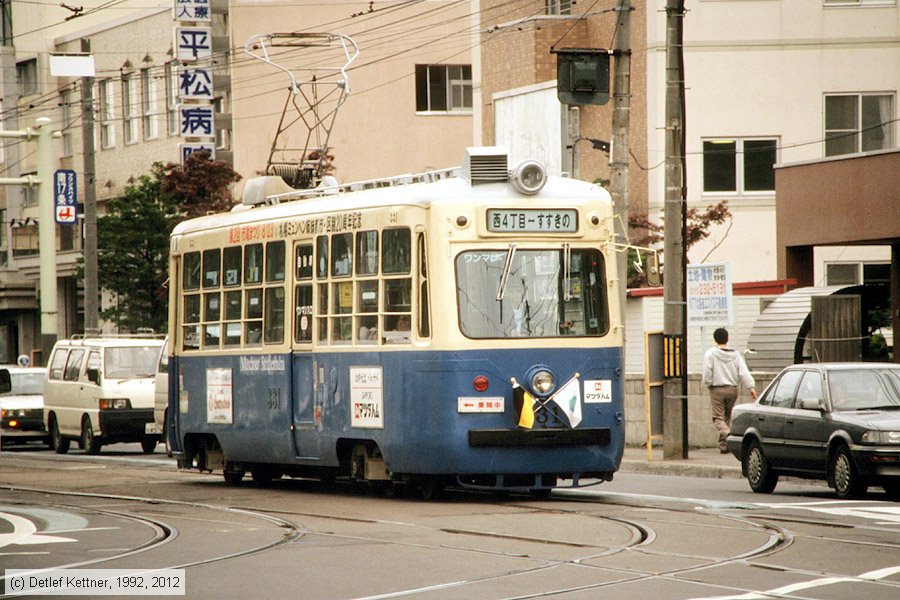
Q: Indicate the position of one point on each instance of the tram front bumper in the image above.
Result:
(541, 438)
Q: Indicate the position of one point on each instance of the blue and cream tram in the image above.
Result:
(452, 328)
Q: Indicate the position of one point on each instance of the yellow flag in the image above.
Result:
(524, 405)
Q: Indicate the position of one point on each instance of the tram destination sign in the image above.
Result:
(532, 220)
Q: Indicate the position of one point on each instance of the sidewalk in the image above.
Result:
(701, 462)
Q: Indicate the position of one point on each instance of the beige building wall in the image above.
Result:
(760, 68)
(377, 132)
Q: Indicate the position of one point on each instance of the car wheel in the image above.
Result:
(59, 444)
(89, 441)
(847, 481)
(148, 445)
(760, 475)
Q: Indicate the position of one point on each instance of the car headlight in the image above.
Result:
(542, 382)
(881, 437)
(114, 403)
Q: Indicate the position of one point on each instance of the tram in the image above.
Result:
(453, 328)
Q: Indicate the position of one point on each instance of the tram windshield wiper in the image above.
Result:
(567, 264)
(507, 267)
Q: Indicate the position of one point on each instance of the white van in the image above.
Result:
(161, 394)
(100, 391)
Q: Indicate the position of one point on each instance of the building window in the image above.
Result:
(6, 23)
(739, 165)
(854, 273)
(107, 118)
(148, 100)
(443, 88)
(858, 123)
(129, 109)
(559, 7)
(65, 109)
(27, 77)
(172, 98)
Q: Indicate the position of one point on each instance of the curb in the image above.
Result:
(685, 469)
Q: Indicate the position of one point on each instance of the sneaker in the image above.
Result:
(723, 450)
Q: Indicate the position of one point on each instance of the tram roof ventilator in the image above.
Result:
(490, 164)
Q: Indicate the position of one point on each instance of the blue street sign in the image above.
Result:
(65, 196)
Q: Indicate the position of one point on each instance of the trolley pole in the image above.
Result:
(46, 222)
(675, 407)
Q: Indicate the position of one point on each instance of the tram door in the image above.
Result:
(304, 369)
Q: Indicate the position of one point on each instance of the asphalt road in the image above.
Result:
(640, 536)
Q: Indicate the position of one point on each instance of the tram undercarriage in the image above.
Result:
(361, 462)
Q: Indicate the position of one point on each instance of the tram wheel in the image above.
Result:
(263, 476)
(232, 475)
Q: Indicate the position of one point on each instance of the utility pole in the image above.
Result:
(46, 222)
(91, 285)
(675, 407)
(619, 151)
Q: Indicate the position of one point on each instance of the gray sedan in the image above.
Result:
(834, 421)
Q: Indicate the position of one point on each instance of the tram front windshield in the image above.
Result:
(522, 293)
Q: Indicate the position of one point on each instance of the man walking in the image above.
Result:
(723, 369)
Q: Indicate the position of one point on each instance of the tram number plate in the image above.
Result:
(532, 220)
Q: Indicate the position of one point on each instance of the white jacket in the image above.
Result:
(724, 366)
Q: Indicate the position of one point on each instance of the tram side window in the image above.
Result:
(191, 279)
(322, 254)
(274, 318)
(424, 315)
(395, 258)
(191, 319)
(212, 265)
(253, 307)
(322, 313)
(275, 261)
(212, 314)
(233, 318)
(367, 253)
(304, 262)
(341, 254)
(231, 266)
(253, 255)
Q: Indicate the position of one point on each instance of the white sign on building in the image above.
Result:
(709, 295)
(192, 10)
(193, 43)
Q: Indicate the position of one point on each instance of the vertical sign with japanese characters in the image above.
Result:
(193, 49)
(65, 196)
(709, 296)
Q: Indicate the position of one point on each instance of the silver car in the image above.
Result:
(22, 405)
(834, 421)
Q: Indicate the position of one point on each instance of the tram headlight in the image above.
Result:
(542, 382)
(528, 177)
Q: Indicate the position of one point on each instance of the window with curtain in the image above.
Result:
(858, 123)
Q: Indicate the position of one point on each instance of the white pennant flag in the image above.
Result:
(568, 398)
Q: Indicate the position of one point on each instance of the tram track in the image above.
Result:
(164, 532)
(642, 537)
